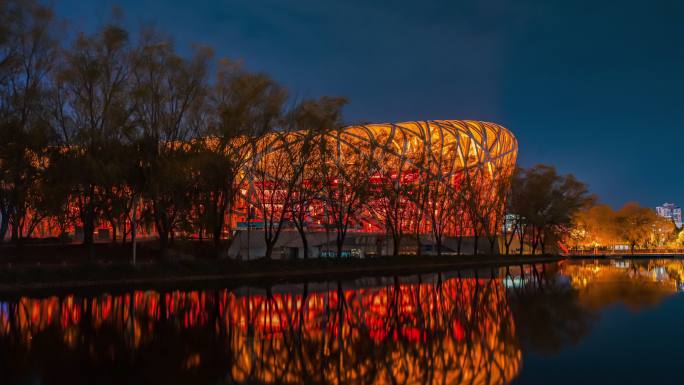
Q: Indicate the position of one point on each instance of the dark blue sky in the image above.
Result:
(593, 87)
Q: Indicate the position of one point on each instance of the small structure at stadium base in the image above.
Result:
(424, 178)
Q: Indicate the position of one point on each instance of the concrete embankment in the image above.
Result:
(47, 280)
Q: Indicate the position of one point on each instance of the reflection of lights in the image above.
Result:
(663, 272)
(192, 361)
(512, 282)
(660, 274)
(465, 325)
(680, 286)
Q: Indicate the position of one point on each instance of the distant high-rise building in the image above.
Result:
(671, 211)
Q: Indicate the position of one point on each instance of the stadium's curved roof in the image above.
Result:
(442, 153)
(446, 145)
(449, 143)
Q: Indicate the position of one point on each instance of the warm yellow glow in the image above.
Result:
(436, 152)
(460, 331)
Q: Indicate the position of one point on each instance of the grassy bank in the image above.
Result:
(48, 269)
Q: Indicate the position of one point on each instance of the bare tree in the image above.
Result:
(242, 107)
(28, 50)
(345, 165)
(417, 193)
(390, 200)
(314, 118)
(307, 188)
(168, 93)
(487, 192)
(93, 113)
(275, 172)
(443, 200)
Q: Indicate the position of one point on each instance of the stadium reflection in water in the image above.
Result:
(455, 328)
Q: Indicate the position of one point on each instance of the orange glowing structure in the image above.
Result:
(440, 155)
(435, 160)
(460, 331)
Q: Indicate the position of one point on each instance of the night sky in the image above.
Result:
(592, 87)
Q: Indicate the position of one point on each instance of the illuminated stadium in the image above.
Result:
(414, 172)
(374, 189)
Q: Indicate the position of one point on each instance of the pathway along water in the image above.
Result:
(568, 322)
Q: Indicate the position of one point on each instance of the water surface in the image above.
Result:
(615, 321)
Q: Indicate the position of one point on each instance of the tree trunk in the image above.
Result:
(4, 224)
(396, 241)
(113, 224)
(418, 245)
(269, 251)
(534, 241)
(15, 233)
(89, 220)
(305, 241)
(88, 229)
(340, 245)
(162, 223)
(217, 229)
(522, 238)
(218, 245)
(124, 233)
(508, 241)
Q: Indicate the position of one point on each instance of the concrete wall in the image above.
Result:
(251, 245)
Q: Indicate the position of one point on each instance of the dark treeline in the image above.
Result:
(541, 208)
(106, 121)
(107, 128)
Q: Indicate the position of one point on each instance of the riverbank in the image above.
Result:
(104, 274)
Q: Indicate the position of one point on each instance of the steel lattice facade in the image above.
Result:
(433, 157)
(438, 154)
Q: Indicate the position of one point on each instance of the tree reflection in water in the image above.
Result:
(462, 328)
(546, 308)
(555, 305)
(450, 331)
(638, 284)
